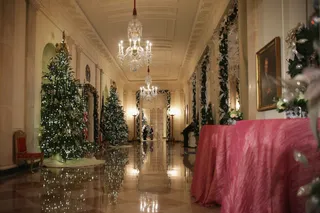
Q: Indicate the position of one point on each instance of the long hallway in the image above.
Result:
(147, 177)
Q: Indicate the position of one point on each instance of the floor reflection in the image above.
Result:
(114, 172)
(147, 177)
(64, 190)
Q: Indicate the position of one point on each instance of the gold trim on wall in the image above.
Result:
(275, 45)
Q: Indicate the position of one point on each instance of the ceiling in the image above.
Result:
(173, 26)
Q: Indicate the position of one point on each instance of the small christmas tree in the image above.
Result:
(114, 128)
(210, 119)
(62, 110)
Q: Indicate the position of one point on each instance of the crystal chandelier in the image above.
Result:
(135, 55)
(149, 92)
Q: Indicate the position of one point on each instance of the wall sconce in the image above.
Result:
(134, 112)
(173, 112)
(237, 105)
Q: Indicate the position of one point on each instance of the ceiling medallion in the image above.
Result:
(150, 91)
(135, 55)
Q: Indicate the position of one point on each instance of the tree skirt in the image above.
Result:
(82, 162)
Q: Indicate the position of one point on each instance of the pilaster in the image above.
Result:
(79, 51)
(6, 82)
(98, 84)
(31, 130)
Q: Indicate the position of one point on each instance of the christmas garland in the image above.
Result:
(223, 64)
(304, 52)
(89, 88)
(167, 92)
(138, 117)
(300, 42)
(203, 89)
(238, 88)
(194, 104)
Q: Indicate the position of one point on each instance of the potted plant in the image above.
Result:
(296, 108)
(234, 116)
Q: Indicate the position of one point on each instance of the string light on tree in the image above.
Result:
(114, 127)
(62, 110)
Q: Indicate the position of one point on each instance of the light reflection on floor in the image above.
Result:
(144, 178)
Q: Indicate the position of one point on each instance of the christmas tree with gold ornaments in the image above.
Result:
(62, 110)
(114, 127)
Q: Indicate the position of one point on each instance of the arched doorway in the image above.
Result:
(153, 114)
(49, 52)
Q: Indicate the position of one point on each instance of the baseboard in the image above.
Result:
(2, 168)
(6, 173)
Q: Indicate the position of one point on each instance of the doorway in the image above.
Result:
(153, 121)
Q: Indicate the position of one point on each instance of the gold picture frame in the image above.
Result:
(268, 66)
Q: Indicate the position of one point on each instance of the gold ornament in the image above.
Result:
(291, 37)
(62, 46)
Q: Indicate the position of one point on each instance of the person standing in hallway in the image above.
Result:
(145, 133)
(151, 133)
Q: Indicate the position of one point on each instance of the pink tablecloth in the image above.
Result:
(210, 166)
(254, 171)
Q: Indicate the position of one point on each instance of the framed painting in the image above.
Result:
(268, 67)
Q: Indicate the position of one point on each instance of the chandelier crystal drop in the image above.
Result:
(135, 55)
(148, 92)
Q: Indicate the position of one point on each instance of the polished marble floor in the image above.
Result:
(149, 177)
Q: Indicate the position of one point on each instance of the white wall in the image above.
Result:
(266, 20)
(22, 51)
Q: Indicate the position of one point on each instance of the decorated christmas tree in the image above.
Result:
(62, 110)
(114, 128)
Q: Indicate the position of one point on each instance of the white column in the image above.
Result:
(78, 62)
(98, 86)
(73, 52)
(6, 78)
(30, 114)
(19, 66)
(101, 87)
